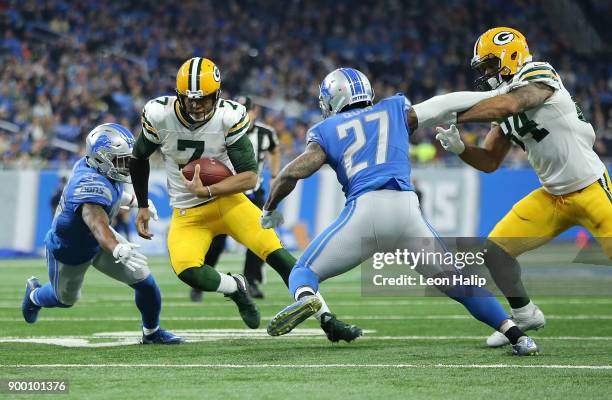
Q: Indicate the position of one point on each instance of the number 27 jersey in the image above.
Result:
(368, 147)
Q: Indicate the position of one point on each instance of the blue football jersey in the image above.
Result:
(70, 239)
(368, 147)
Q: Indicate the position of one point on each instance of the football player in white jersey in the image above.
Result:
(541, 117)
(197, 123)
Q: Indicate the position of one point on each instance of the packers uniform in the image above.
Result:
(575, 184)
(182, 139)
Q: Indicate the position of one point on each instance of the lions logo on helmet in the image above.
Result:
(498, 54)
(108, 149)
(344, 87)
(198, 86)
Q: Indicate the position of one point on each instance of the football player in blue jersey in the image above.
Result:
(80, 236)
(367, 146)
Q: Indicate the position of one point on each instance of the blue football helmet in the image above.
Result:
(343, 87)
(108, 149)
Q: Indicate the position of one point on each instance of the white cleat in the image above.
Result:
(534, 321)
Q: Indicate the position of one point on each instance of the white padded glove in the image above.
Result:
(129, 201)
(127, 254)
(271, 219)
(450, 139)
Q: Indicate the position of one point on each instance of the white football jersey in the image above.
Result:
(556, 137)
(181, 143)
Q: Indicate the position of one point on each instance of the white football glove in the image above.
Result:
(127, 254)
(134, 204)
(271, 219)
(450, 139)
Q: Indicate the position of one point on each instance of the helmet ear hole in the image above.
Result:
(513, 56)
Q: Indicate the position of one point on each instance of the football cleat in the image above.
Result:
(28, 308)
(525, 346)
(162, 336)
(534, 321)
(337, 330)
(246, 306)
(293, 315)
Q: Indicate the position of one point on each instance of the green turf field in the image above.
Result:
(413, 347)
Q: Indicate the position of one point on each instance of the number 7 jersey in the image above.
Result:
(368, 147)
(181, 142)
(555, 135)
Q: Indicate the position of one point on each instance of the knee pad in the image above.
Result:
(67, 299)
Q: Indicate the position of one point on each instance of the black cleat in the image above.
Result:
(337, 330)
(246, 306)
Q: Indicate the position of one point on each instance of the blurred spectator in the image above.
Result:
(68, 66)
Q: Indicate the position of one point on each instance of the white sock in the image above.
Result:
(506, 325)
(324, 308)
(301, 290)
(32, 297)
(227, 285)
(525, 310)
(148, 331)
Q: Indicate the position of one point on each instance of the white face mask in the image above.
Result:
(494, 82)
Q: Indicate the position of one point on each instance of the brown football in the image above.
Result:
(211, 170)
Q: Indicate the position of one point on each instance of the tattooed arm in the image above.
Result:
(302, 167)
(501, 107)
(96, 219)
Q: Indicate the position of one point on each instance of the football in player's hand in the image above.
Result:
(211, 170)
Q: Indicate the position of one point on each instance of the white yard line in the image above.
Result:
(315, 366)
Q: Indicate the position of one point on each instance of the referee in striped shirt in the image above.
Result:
(265, 143)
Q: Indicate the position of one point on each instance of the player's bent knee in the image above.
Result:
(67, 300)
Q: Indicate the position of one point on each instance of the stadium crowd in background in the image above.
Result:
(68, 66)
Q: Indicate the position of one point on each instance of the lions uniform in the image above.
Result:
(71, 247)
(367, 146)
(195, 224)
(575, 184)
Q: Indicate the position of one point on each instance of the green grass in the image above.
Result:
(404, 354)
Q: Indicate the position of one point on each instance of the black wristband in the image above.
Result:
(139, 171)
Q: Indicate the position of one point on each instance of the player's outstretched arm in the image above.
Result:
(487, 158)
(302, 167)
(97, 221)
(501, 107)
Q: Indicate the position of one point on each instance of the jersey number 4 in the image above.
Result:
(197, 145)
(522, 126)
(357, 127)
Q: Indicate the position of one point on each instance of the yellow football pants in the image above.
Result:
(540, 216)
(192, 230)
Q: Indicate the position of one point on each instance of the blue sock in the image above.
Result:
(148, 300)
(45, 297)
(480, 303)
(302, 276)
